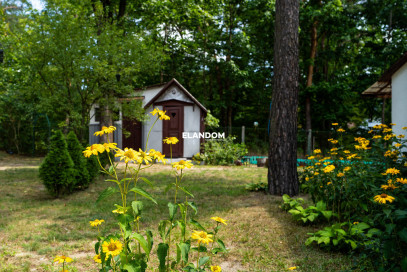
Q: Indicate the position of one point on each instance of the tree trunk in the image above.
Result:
(106, 120)
(282, 172)
(308, 124)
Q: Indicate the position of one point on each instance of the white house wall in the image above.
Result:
(399, 100)
(192, 115)
(156, 135)
(150, 93)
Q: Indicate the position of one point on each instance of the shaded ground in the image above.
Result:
(34, 227)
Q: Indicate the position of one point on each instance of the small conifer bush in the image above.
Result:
(56, 171)
(75, 149)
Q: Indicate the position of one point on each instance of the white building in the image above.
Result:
(187, 116)
(393, 83)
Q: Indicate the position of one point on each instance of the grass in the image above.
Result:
(261, 237)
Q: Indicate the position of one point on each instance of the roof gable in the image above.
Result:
(173, 90)
(386, 77)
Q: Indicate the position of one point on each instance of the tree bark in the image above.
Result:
(282, 171)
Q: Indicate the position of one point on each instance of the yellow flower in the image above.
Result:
(355, 223)
(405, 128)
(96, 222)
(317, 151)
(398, 145)
(109, 146)
(292, 268)
(401, 136)
(390, 186)
(97, 258)
(105, 130)
(62, 259)
(341, 130)
(160, 114)
(157, 155)
(311, 157)
(171, 140)
(216, 268)
(392, 124)
(329, 183)
(389, 136)
(317, 163)
(113, 248)
(94, 149)
(306, 178)
(334, 141)
(339, 175)
(387, 130)
(316, 174)
(377, 136)
(182, 164)
(220, 220)
(128, 155)
(334, 124)
(392, 171)
(334, 149)
(347, 168)
(383, 198)
(143, 156)
(401, 180)
(329, 168)
(346, 151)
(202, 237)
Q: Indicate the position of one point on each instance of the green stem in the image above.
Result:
(148, 135)
(197, 260)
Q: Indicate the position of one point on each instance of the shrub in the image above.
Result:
(92, 166)
(75, 149)
(56, 171)
(365, 181)
(223, 152)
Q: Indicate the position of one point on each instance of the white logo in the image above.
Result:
(203, 135)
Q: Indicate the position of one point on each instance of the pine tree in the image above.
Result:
(81, 174)
(56, 171)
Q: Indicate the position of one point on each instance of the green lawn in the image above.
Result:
(35, 227)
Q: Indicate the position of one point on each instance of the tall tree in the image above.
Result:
(282, 172)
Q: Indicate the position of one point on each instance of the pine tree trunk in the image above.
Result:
(282, 172)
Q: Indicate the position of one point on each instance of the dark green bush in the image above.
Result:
(223, 151)
(81, 174)
(93, 167)
(56, 171)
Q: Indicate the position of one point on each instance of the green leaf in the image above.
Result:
(106, 193)
(196, 224)
(404, 264)
(203, 260)
(143, 193)
(162, 252)
(186, 191)
(129, 268)
(172, 209)
(182, 226)
(147, 181)
(143, 243)
(193, 206)
(327, 214)
(137, 207)
(111, 169)
(403, 234)
(185, 247)
(150, 240)
(162, 226)
(221, 245)
(400, 214)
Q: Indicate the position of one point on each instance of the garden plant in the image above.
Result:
(130, 248)
(364, 185)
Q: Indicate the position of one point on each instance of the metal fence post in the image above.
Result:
(243, 134)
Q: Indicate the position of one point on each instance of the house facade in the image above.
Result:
(393, 84)
(187, 117)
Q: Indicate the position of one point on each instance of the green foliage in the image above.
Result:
(81, 174)
(211, 121)
(259, 186)
(223, 151)
(92, 166)
(56, 171)
(291, 203)
(364, 180)
(344, 236)
(311, 214)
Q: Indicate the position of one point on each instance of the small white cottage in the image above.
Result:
(187, 117)
(393, 83)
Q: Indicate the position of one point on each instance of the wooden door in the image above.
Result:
(133, 127)
(174, 128)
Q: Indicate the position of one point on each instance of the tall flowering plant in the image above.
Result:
(130, 248)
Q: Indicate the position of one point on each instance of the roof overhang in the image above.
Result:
(379, 89)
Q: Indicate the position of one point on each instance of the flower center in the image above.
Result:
(383, 195)
(112, 247)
